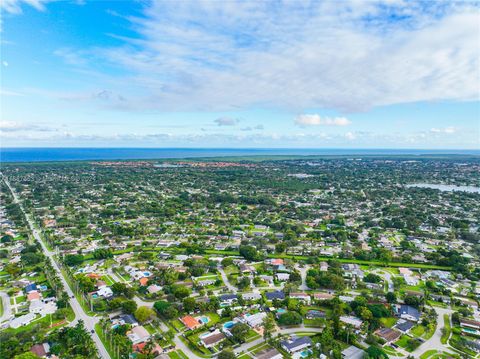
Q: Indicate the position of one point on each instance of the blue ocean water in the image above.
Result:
(78, 154)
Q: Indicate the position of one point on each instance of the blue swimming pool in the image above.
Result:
(306, 353)
(204, 320)
(229, 325)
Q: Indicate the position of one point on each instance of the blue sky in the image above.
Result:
(358, 74)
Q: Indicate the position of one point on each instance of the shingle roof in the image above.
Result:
(275, 295)
(296, 342)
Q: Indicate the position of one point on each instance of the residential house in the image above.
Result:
(296, 344)
(255, 320)
(190, 322)
(301, 296)
(351, 320)
(408, 312)
(212, 339)
(271, 353)
(228, 298)
(138, 334)
(323, 296)
(275, 295)
(352, 352)
(251, 296)
(387, 334)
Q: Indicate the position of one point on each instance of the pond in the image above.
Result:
(446, 187)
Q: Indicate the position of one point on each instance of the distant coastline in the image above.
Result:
(11, 154)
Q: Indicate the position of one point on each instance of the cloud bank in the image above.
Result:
(316, 120)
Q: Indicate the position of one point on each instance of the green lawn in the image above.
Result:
(418, 330)
(447, 330)
(388, 322)
(428, 353)
(177, 354)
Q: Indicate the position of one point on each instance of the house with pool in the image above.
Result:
(210, 340)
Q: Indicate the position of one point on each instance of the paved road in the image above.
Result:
(77, 308)
(388, 277)
(7, 310)
(226, 281)
(303, 273)
(435, 343)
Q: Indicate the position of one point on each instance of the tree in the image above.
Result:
(372, 278)
(225, 263)
(226, 354)
(268, 326)
(249, 252)
(73, 259)
(391, 297)
(129, 306)
(290, 318)
(144, 314)
(240, 332)
(189, 304)
(31, 258)
(374, 352)
(243, 283)
(280, 247)
(181, 292)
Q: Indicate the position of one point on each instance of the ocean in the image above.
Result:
(78, 154)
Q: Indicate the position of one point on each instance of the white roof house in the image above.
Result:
(22, 321)
(255, 320)
(138, 335)
(105, 292)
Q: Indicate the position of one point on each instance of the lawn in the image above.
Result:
(177, 354)
(391, 351)
(418, 330)
(428, 353)
(447, 329)
(388, 322)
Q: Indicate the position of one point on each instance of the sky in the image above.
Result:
(275, 74)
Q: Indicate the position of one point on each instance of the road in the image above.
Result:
(435, 343)
(77, 308)
(226, 281)
(7, 310)
(303, 273)
(388, 278)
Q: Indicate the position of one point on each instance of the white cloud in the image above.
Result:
(226, 121)
(347, 56)
(316, 120)
(15, 6)
(13, 126)
(350, 136)
(447, 130)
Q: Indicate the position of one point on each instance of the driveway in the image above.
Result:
(226, 281)
(303, 273)
(7, 310)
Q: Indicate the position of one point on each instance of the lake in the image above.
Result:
(446, 187)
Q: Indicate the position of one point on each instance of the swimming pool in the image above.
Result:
(203, 319)
(306, 353)
(228, 325)
(281, 311)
